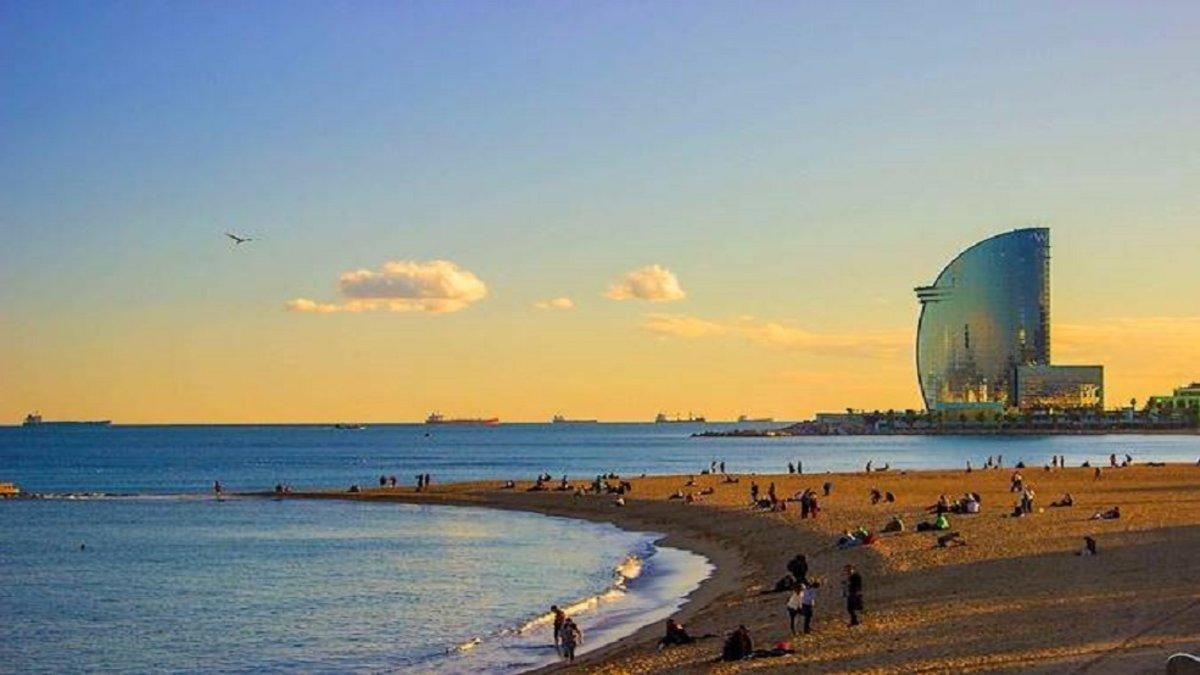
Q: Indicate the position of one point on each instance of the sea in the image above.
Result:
(128, 563)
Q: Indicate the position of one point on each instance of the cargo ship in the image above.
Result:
(690, 419)
(35, 420)
(746, 418)
(559, 419)
(438, 418)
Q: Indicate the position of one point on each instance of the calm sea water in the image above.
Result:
(172, 580)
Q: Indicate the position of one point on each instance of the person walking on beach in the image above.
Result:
(793, 605)
(572, 637)
(808, 598)
(560, 617)
(852, 587)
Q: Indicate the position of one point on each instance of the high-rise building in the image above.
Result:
(987, 313)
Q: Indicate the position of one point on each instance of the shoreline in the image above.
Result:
(728, 567)
(1017, 575)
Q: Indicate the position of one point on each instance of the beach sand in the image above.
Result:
(1015, 598)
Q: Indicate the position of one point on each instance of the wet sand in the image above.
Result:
(1015, 598)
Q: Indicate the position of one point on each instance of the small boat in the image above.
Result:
(559, 419)
(349, 427)
(746, 418)
(690, 419)
(35, 420)
(438, 418)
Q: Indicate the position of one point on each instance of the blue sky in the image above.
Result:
(803, 162)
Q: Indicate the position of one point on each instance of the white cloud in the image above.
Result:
(555, 303)
(436, 286)
(653, 283)
(870, 344)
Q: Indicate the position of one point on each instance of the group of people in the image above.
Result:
(797, 468)
(567, 636)
(424, 480)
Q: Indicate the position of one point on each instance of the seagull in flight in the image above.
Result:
(236, 239)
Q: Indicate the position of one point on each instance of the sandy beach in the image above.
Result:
(1017, 597)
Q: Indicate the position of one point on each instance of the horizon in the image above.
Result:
(607, 212)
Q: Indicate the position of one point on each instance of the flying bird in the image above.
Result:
(238, 240)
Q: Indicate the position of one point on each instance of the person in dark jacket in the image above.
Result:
(853, 588)
(798, 566)
(738, 645)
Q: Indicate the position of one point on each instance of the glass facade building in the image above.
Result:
(986, 314)
(1059, 387)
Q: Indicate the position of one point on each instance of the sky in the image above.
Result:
(602, 209)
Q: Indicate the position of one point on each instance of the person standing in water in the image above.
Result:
(217, 489)
(560, 617)
(572, 637)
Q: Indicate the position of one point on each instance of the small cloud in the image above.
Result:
(653, 283)
(555, 303)
(436, 286)
(885, 344)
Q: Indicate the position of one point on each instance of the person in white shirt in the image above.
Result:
(794, 602)
(800, 603)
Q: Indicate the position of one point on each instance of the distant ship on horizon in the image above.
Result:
(438, 418)
(35, 420)
(661, 418)
(349, 426)
(747, 418)
(559, 419)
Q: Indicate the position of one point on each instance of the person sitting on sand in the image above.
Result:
(785, 583)
(876, 496)
(942, 505)
(572, 637)
(1017, 482)
(951, 539)
(828, 487)
(896, 524)
(939, 523)
(889, 497)
(847, 540)
(1089, 547)
(1112, 514)
(676, 635)
(730, 479)
(1066, 500)
(738, 645)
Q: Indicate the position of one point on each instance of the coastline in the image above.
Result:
(1018, 577)
(729, 565)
